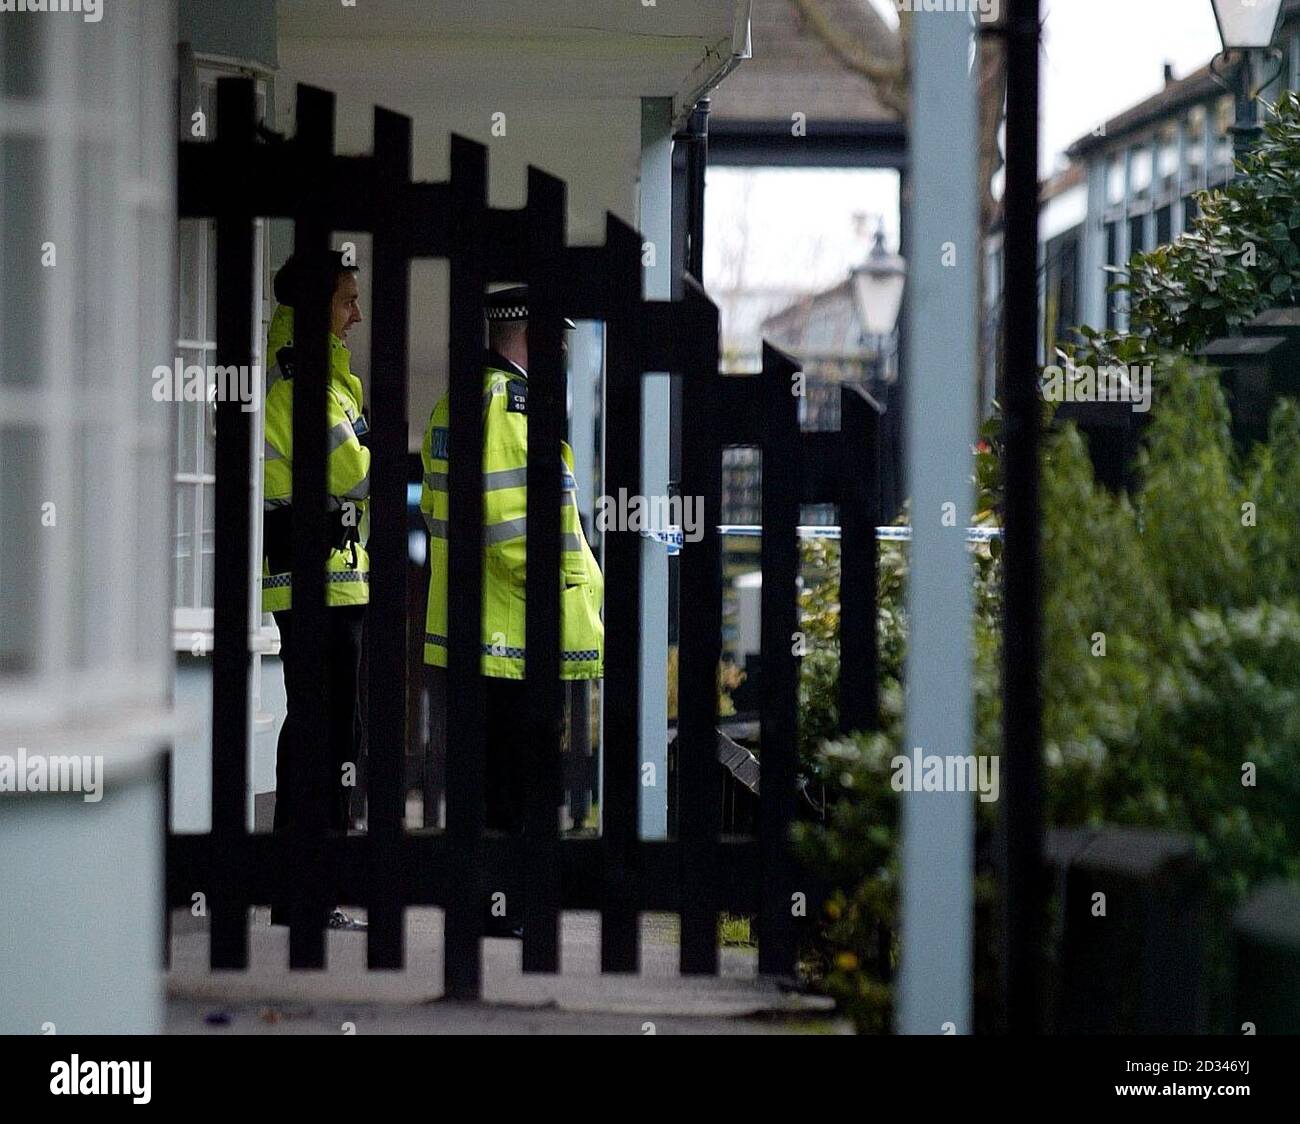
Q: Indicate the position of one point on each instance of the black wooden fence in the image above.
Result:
(844, 468)
(241, 176)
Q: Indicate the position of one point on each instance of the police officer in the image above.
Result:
(505, 508)
(347, 566)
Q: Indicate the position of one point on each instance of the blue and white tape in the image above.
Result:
(673, 537)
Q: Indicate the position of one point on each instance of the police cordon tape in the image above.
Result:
(673, 537)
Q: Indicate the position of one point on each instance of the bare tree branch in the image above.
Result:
(889, 75)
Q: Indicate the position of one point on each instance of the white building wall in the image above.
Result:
(87, 206)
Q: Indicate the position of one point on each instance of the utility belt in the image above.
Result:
(277, 537)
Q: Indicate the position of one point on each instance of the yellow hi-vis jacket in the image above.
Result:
(347, 568)
(505, 508)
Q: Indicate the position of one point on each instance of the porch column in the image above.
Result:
(654, 211)
(943, 256)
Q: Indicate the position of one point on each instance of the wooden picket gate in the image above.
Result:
(240, 176)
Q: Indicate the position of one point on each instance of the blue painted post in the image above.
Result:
(943, 257)
(655, 221)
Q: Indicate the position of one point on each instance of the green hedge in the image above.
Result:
(1193, 597)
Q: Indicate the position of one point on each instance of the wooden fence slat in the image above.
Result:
(779, 708)
(860, 514)
(542, 632)
(620, 795)
(739, 414)
(466, 903)
(312, 782)
(387, 623)
(822, 455)
(699, 817)
(231, 658)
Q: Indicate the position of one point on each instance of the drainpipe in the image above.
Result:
(695, 141)
(690, 159)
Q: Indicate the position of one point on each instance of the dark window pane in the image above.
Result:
(1136, 226)
(1164, 226)
(22, 55)
(25, 282)
(23, 546)
(1112, 258)
(1067, 301)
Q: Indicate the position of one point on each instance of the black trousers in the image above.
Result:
(504, 731)
(343, 721)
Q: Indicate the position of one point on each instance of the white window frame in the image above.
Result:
(192, 624)
(118, 694)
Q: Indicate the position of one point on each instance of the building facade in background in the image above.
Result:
(798, 104)
(1131, 186)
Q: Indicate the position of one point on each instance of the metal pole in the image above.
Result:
(697, 160)
(655, 219)
(1246, 128)
(1022, 564)
(586, 365)
(938, 827)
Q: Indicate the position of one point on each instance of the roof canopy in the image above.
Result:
(799, 66)
(558, 49)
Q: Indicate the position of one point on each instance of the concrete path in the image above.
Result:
(268, 998)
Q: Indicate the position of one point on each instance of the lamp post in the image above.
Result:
(1246, 28)
(878, 292)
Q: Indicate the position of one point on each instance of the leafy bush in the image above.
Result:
(1171, 659)
(819, 620)
(1191, 590)
(1240, 256)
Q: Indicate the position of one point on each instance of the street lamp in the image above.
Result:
(878, 292)
(1247, 28)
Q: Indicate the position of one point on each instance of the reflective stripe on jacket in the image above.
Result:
(505, 510)
(347, 570)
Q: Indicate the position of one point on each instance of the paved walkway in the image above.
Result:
(268, 998)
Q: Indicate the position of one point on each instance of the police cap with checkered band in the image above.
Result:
(506, 305)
